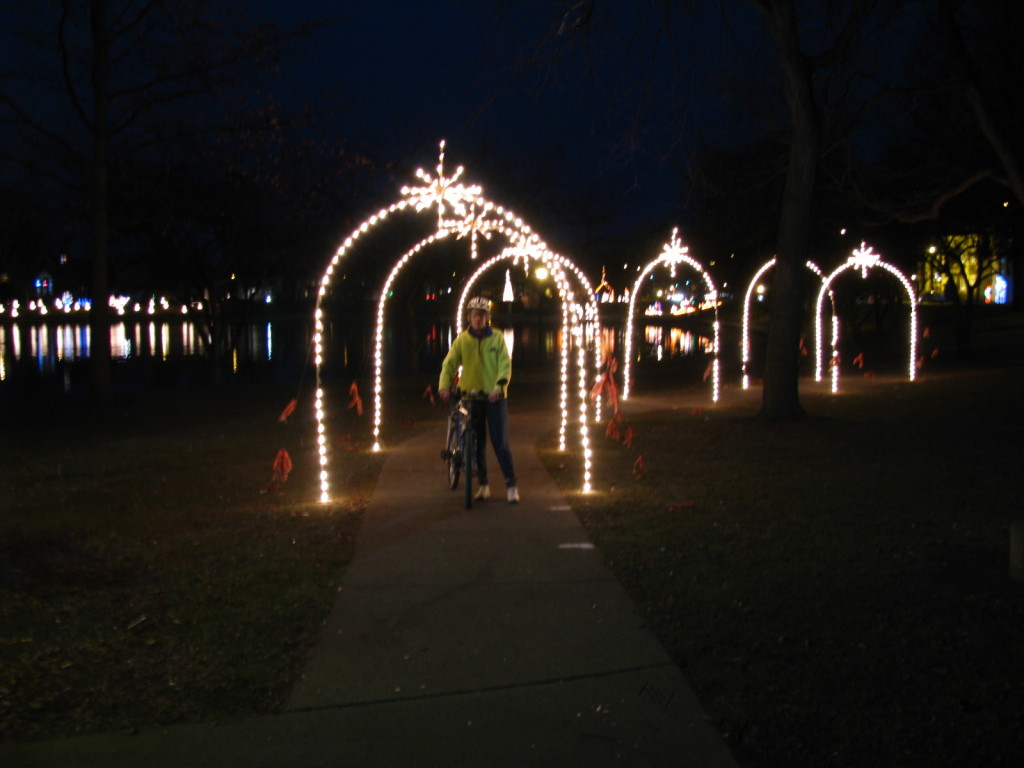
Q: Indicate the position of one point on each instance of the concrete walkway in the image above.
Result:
(487, 637)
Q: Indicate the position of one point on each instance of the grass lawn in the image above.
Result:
(145, 577)
(836, 589)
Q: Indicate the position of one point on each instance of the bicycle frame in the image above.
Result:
(459, 453)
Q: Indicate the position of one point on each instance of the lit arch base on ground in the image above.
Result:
(578, 323)
(745, 342)
(673, 254)
(462, 211)
(863, 259)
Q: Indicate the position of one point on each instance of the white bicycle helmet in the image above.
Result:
(479, 302)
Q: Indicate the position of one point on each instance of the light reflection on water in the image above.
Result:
(50, 345)
(665, 342)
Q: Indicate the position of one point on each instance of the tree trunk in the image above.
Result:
(781, 398)
(99, 316)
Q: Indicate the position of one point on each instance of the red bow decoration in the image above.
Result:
(288, 410)
(859, 360)
(429, 393)
(282, 467)
(607, 382)
(638, 467)
(354, 400)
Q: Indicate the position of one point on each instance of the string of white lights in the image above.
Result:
(863, 259)
(318, 350)
(378, 349)
(555, 264)
(673, 253)
(752, 287)
(462, 211)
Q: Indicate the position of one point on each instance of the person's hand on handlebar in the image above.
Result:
(444, 394)
(495, 395)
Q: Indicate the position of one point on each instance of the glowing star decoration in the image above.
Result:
(474, 224)
(863, 260)
(442, 191)
(468, 214)
(673, 254)
(751, 289)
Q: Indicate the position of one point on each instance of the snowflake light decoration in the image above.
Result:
(473, 224)
(674, 252)
(442, 191)
(864, 258)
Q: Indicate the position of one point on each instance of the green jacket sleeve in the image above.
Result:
(451, 364)
(504, 370)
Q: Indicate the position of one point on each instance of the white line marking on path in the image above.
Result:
(576, 545)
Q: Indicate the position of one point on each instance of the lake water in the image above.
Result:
(281, 349)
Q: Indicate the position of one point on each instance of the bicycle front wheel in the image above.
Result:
(452, 459)
(468, 459)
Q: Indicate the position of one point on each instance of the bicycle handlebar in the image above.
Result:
(474, 394)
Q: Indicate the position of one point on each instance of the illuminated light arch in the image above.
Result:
(318, 330)
(535, 250)
(528, 254)
(378, 344)
(461, 211)
(673, 254)
(863, 258)
(745, 343)
(573, 323)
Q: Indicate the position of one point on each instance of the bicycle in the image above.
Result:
(459, 452)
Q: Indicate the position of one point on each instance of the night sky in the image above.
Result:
(599, 136)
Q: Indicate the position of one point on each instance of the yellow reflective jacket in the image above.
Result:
(485, 362)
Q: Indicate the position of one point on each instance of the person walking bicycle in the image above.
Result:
(486, 369)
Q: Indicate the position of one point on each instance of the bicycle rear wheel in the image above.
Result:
(468, 459)
(452, 458)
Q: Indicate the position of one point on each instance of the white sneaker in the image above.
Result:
(483, 492)
(513, 495)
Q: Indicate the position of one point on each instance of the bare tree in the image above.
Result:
(813, 41)
(104, 81)
(964, 90)
(979, 39)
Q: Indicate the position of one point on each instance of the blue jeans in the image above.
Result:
(492, 417)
